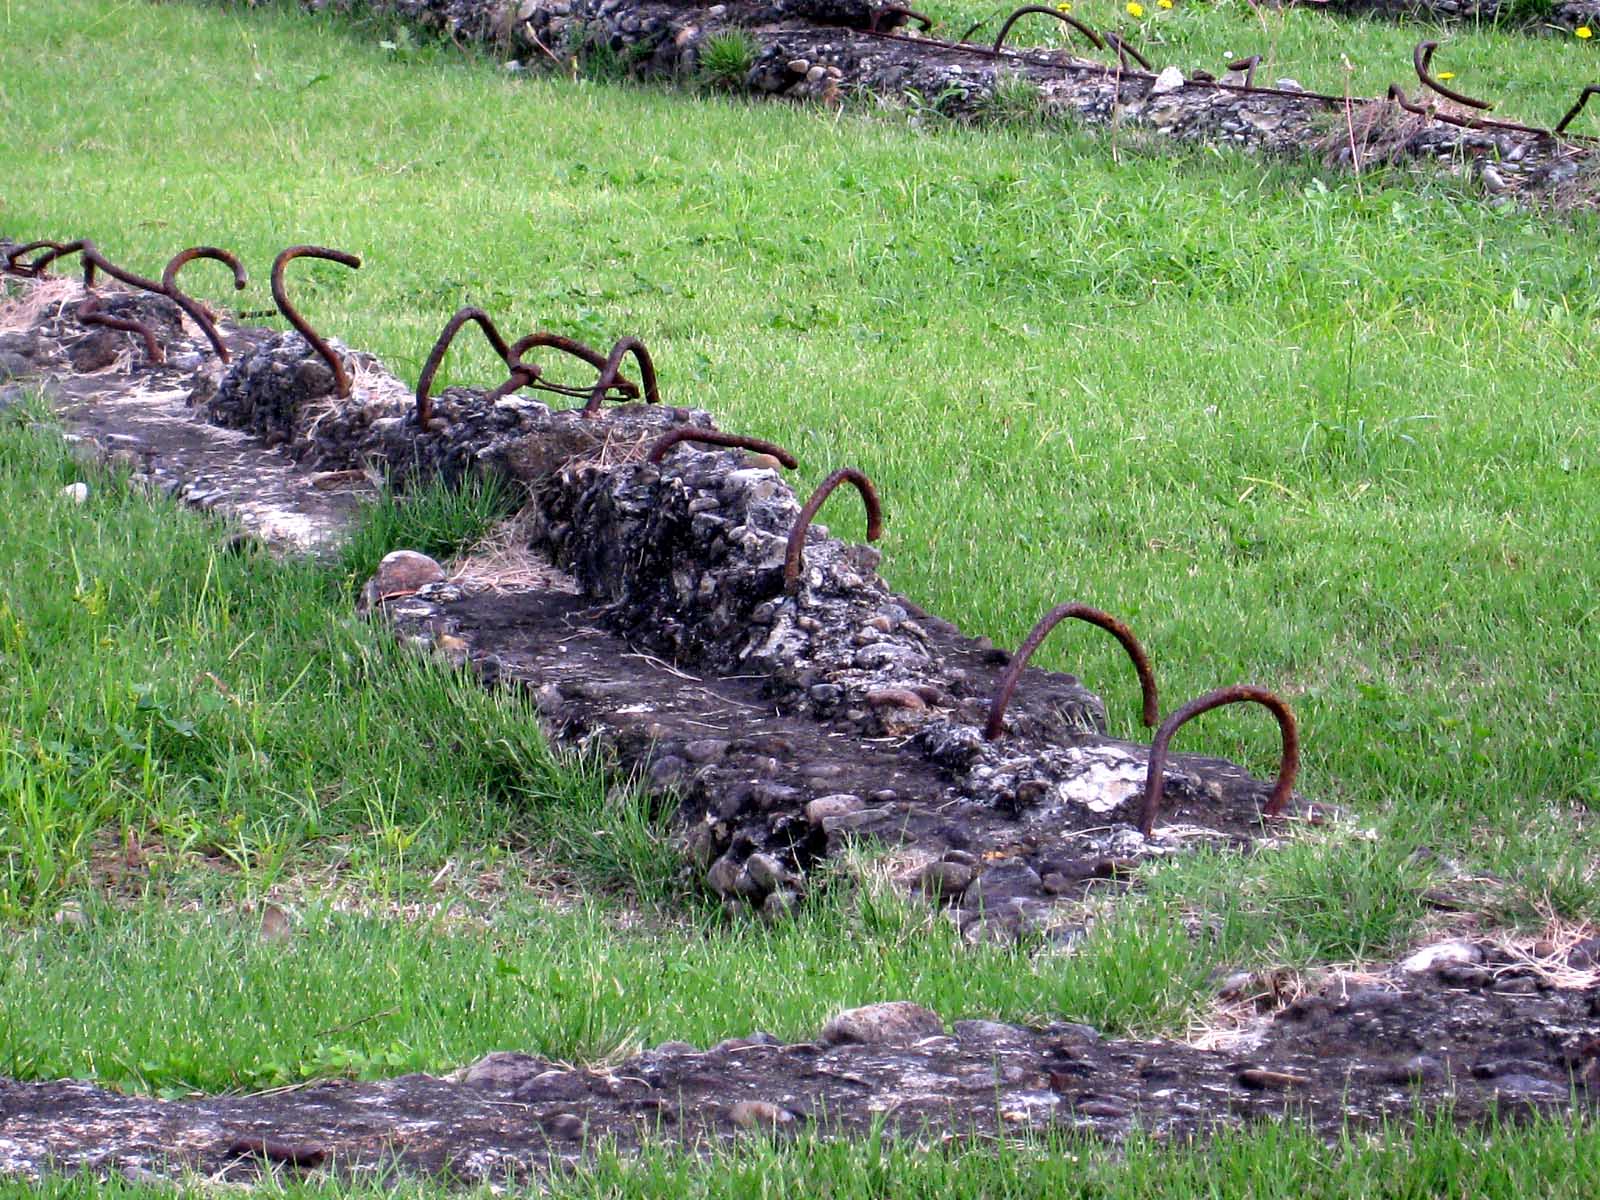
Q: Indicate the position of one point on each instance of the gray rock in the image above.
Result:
(890, 1023)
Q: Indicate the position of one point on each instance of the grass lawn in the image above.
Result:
(1336, 436)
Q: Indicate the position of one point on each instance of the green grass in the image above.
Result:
(161, 687)
(370, 995)
(1333, 436)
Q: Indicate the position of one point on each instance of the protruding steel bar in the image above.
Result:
(1583, 98)
(196, 311)
(93, 260)
(611, 374)
(1421, 59)
(794, 555)
(884, 11)
(1288, 766)
(341, 377)
(1248, 66)
(436, 356)
(528, 374)
(1124, 51)
(1081, 612)
(715, 437)
(1095, 39)
(26, 269)
(89, 313)
(1398, 95)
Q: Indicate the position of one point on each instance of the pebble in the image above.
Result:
(500, 1069)
(1170, 80)
(1441, 954)
(759, 1114)
(837, 805)
(405, 571)
(799, 66)
(78, 493)
(890, 1023)
(1259, 1079)
(706, 750)
(945, 880)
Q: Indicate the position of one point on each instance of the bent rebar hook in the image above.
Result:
(1288, 765)
(341, 378)
(794, 553)
(1081, 612)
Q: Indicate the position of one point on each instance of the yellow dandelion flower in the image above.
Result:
(1445, 75)
(1163, 3)
(1584, 32)
(1063, 8)
(1135, 9)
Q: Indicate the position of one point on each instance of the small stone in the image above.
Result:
(500, 1070)
(890, 1023)
(1290, 85)
(758, 1114)
(816, 74)
(798, 66)
(1529, 1087)
(71, 915)
(895, 698)
(403, 572)
(1493, 180)
(837, 805)
(1522, 986)
(276, 925)
(1101, 1107)
(766, 871)
(945, 880)
(780, 902)
(674, 1049)
(78, 493)
(564, 1125)
(1170, 80)
(1442, 954)
(705, 750)
(723, 877)
(1259, 1079)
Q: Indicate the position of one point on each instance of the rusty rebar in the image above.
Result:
(1124, 51)
(1248, 66)
(341, 378)
(1095, 39)
(89, 313)
(611, 374)
(896, 10)
(793, 558)
(196, 311)
(1583, 98)
(1398, 95)
(1421, 59)
(93, 260)
(27, 270)
(436, 356)
(715, 437)
(1080, 612)
(1288, 766)
(528, 374)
